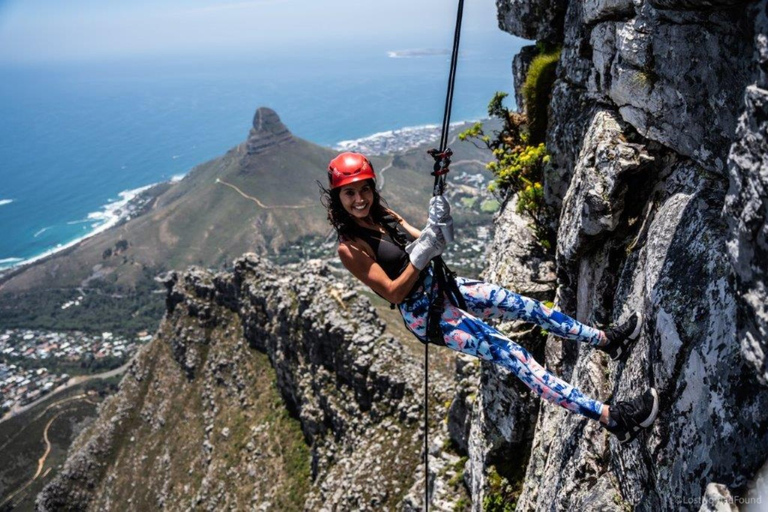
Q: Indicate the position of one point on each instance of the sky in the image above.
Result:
(70, 30)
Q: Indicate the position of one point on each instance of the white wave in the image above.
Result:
(5, 201)
(174, 157)
(41, 232)
(108, 217)
(177, 178)
(8, 263)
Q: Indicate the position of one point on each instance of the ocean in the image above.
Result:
(78, 140)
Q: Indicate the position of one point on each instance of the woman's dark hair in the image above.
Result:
(345, 225)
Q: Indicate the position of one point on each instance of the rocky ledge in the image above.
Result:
(193, 424)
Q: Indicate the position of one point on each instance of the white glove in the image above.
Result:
(439, 209)
(440, 216)
(430, 244)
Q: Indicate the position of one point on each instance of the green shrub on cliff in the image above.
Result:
(537, 91)
(521, 156)
(519, 166)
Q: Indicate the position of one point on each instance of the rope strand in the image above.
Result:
(438, 190)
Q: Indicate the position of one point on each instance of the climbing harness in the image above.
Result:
(444, 277)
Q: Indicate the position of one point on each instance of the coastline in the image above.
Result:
(111, 214)
(398, 140)
(123, 209)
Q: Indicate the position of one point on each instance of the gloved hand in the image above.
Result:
(429, 245)
(440, 216)
(439, 209)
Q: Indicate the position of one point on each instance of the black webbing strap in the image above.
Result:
(446, 288)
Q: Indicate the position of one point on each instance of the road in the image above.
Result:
(16, 410)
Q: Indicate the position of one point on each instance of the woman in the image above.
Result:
(392, 257)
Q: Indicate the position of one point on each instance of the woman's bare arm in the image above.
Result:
(365, 268)
(400, 220)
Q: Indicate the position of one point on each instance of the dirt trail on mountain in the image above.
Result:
(41, 460)
(292, 207)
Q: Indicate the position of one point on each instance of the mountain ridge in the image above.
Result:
(188, 417)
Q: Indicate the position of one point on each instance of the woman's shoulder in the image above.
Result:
(350, 247)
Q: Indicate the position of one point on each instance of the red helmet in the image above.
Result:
(348, 168)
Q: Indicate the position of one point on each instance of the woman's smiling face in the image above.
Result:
(357, 198)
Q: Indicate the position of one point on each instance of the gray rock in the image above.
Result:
(658, 141)
(541, 20)
(520, 64)
(675, 79)
(603, 10)
(746, 211)
(594, 204)
(517, 261)
(267, 132)
(696, 5)
(337, 371)
(717, 498)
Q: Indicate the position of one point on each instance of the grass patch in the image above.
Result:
(505, 482)
(469, 202)
(537, 91)
(489, 206)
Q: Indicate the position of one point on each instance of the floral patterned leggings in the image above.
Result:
(464, 332)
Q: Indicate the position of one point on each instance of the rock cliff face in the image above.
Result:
(264, 388)
(267, 132)
(657, 130)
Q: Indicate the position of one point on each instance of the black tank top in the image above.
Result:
(388, 253)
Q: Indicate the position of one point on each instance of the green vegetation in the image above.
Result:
(104, 387)
(462, 504)
(294, 452)
(537, 92)
(106, 306)
(458, 478)
(501, 496)
(519, 167)
(521, 156)
(304, 248)
(22, 442)
(505, 479)
(489, 206)
(468, 202)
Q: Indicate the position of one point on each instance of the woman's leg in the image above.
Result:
(465, 333)
(491, 301)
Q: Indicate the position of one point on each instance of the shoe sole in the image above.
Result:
(651, 417)
(638, 327)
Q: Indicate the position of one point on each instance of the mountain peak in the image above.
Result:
(267, 132)
(266, 120)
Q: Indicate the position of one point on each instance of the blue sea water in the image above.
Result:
(74, 136)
